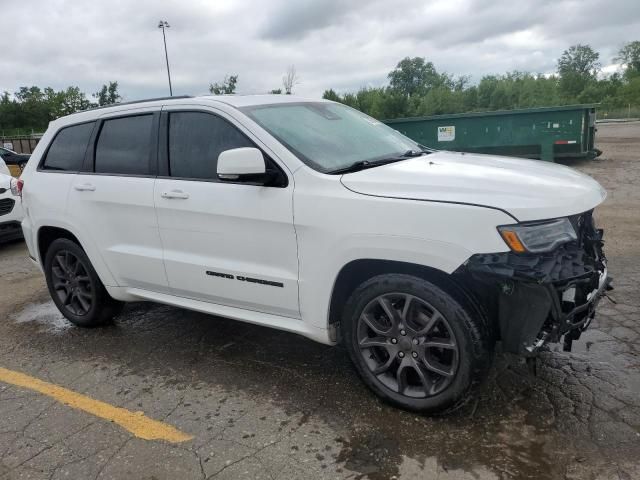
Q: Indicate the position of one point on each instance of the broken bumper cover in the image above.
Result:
(540, 298)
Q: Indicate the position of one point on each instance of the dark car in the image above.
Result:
(15, 161)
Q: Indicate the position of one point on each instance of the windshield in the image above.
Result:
(330, 136)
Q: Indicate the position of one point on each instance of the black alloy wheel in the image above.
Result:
(72, 283)
(408, 345)
(75, 286)
(418, 345)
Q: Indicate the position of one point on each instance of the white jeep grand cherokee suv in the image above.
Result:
(310, 217)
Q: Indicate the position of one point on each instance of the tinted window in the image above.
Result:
(67, 150)
(195, 141)
(124, 146)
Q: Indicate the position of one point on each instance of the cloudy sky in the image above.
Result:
(342, 44)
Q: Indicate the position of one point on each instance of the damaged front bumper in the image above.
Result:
(543, 298)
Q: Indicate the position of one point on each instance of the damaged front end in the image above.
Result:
(539, 298)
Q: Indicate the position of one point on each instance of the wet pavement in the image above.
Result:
(267, 404)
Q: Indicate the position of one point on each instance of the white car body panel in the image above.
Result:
(118, 214)
(527, 189)
(435, 211)
(336, 226)
(4, 170)
(239, 230)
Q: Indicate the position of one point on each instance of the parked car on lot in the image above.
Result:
(311, 217)
(10, 206)
(15, 161)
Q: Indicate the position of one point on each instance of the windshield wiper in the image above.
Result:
(418, 153)
(364, 164)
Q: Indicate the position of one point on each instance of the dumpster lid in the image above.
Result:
(490, 113)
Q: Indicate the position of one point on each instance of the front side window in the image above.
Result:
(68, 148)
(124, 146)
(328, 136)
(195, 141)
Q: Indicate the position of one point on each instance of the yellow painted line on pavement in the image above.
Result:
(135, 422)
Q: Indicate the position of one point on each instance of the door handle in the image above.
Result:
(85, 187)
(179, 194)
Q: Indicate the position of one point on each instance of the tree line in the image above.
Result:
(32, 108)
(415, 88)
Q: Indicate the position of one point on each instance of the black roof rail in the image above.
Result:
(133, 102)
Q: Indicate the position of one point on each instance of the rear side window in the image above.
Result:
(195, 141)
(124, 146)
(68, 148)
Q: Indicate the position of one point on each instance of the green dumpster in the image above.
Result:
(546, 133)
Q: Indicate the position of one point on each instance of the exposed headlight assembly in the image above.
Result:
(538, 237)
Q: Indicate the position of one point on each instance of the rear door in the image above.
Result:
(112, 199)
(46, 190)
(228, 243)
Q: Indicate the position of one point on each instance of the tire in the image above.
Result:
(430, 358)
(75, 286)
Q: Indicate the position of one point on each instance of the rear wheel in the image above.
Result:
(75, 287)
(414, 344)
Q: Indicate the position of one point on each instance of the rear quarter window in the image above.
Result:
(67, 150)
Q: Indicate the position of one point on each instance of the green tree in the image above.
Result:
(227, 86)
(416, 76)
(73, 100)
(331, 95)
(577, 67)
(630, 92)
(581, 59)
(629, 56)
(108, 94)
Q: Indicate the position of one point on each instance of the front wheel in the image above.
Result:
(75, 286)
(414, 344)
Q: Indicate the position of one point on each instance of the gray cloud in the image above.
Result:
(293, 20)
(342, 44)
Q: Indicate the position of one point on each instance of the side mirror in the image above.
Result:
(241, 164)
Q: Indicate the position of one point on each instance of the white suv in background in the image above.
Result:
(10, 206)
(311, 217)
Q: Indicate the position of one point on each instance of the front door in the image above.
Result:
(227, 243)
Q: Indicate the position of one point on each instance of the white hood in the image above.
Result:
(527, 189)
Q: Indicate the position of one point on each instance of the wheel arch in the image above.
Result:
(358, 271)
(47, 234)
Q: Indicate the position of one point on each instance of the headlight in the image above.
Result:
(538, 237)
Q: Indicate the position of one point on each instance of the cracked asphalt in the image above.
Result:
(271, 405)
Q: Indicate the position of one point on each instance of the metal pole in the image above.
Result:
(166, 57)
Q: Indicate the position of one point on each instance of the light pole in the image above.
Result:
(163, 24)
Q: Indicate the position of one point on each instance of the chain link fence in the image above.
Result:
(630, 112)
